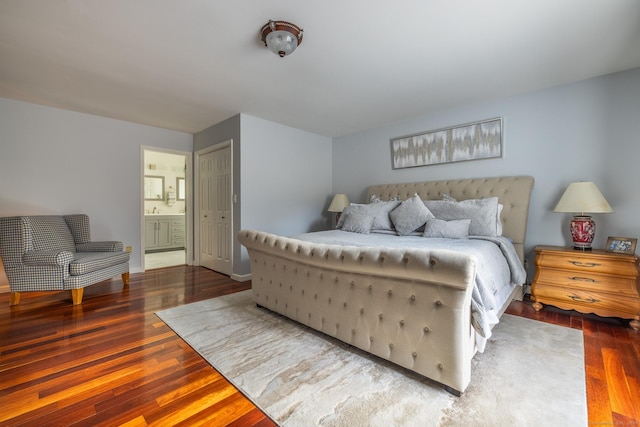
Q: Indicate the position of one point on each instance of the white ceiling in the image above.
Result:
(189, 64)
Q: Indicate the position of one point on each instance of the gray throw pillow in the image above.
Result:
(357, 223)
(410, 215)
(378, 210)
(448, 198)
(455, 229)
(482, 212)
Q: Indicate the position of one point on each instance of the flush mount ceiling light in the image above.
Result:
(281, 37)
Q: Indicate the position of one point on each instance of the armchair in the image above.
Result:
(54, 253)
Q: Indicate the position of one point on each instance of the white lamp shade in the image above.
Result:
(339, 202)
(583, 197)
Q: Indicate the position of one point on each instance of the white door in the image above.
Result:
(215, 210)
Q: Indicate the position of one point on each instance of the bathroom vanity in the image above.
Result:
(163, 232)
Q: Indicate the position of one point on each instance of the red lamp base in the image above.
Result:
(583, 229)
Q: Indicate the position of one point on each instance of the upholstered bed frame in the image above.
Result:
(408, 306)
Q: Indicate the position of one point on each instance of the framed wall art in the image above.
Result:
(471, 141)
(621, 245)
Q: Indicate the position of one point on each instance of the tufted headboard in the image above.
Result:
(513, 192)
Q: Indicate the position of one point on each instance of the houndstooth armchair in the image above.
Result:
(53, 253)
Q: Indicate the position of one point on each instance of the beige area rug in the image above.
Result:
(531, 374)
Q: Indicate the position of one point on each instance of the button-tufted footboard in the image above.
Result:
(408, 306)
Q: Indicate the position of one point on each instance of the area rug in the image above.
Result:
(531, 373)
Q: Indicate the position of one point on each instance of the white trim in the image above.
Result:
(241, 277)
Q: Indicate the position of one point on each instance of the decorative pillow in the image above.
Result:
(378, 210)
(482, 212)
(345, 212)
(447, 197)
(374, 198)
(410, 215)
(357, 222)
(455, 229)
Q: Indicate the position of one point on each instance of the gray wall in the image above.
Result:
(56, 162)
(586, 131)
(282, 178)
(228, 129)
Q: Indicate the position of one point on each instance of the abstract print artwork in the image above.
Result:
(471, 141)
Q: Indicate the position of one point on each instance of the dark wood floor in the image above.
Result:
(112, 361)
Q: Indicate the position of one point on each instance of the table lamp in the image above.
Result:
(339, 202)
(585, 198)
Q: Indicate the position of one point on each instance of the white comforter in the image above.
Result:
(498, 264)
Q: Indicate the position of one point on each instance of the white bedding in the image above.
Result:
(498, 265)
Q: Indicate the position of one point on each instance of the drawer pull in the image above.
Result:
(584, 264)
(589, 300)
(583, 279)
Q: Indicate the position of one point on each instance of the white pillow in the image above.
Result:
(455, 229)
(483, 213)
(410, 215)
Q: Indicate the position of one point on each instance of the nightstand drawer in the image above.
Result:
(600, 282)
(589, 281)
(588, 263)
(588, 301)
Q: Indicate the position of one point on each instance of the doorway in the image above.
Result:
(214, 207)
(165, 207)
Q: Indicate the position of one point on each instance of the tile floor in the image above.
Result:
(164, 259)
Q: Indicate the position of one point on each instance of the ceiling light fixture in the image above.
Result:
(281, 37)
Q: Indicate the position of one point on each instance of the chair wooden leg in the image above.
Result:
(125, 278)
(76, 296)
(15, 298)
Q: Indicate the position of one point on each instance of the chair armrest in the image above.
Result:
(106, 246)
(55, 257)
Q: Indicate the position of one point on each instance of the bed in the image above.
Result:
(417, 306)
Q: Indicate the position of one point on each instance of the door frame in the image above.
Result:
(196, 201)
(188, 216)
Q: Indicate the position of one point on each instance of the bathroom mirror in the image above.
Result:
(153, 187)
(180, 187)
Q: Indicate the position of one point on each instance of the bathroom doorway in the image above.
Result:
(165, 208)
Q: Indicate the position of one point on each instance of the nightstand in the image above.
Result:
(604, 283)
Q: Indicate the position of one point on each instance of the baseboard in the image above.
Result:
(241, 277)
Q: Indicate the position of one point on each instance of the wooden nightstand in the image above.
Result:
(604, 283)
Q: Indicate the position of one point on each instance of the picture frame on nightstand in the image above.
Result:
(621, 245)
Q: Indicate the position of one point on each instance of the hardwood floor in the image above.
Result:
(112, 361)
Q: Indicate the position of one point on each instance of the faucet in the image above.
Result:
(154, 209)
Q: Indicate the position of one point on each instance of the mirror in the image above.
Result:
(153, 187)
(181, 188)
